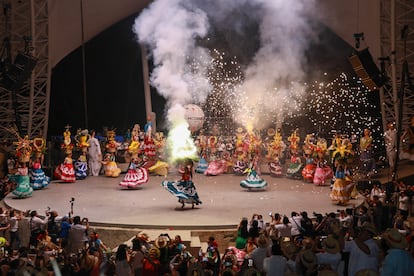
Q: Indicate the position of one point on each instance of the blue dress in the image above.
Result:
(38, 178)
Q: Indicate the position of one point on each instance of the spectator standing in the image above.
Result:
(65, 226)
(275, 264)
(122, 266)
(137, 256)
(398, 262)
(78, 234)
(363, 250)
(295, 221)
(260, 253)
(14, 220)
(403, 202)
(36, 225)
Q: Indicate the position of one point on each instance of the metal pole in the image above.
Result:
(85, 97)
(147, 91)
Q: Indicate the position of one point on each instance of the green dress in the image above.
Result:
(22, 179)
(240, 241)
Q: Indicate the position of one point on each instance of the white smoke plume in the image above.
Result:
(177, 31)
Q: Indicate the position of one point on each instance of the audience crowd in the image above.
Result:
(352, 241)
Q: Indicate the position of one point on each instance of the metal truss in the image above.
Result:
(28, 32)
(395, 16)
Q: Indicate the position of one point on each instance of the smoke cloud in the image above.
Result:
(179, 34)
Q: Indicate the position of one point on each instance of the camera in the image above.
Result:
(270, 214)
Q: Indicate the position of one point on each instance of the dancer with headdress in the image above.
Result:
(21, 177)
(184, 188)
(83, 139)
(308, 171)
(110, 167)
(149, 146)
(323, 173)
(65, 171)
(253, 180)
(135, 176)
(81, 167)
(240, 154)
(344, 184)
(38, 178)
(275, 151)
(295, 166)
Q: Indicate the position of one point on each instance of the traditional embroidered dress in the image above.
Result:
(323, 173)
(135, 177)
(342, 187)
(183, 189)
(295, 167)
(23, 188)
(81, 167)
(253, 181)
(216, 167)
(308, 171)
(110, 166)
(149, 146)
(201, 166)
(65, 171)
(275, 168)
(240, 167)
(38, 178)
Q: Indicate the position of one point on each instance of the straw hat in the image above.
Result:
(368, 226)
(331, 245)
(289, 250)
(308, 258)
(143, 237)
(161, 242)
(395, 239)
(155, 252)
(239, 130)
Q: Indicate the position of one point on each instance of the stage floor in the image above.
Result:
(151, 206)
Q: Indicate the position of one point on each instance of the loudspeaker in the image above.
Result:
(19, 72)
(365, 67)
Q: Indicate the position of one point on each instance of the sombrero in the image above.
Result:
(161, 242)
(154, 251)
(289, 249)
(331, 245)
(308, 258)
(395, 239)
(367, 226)
(143, 237)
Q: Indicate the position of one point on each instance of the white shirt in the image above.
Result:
(295, 221)
(14, 224)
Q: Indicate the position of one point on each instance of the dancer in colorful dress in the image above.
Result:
(65, 171)
(134, 147)
(149, 146)
(240, 155)
(23, 188)
(110, 167)
(323, 173)
(295, 166)
(342, 154)
(81, 167)
(308, 171)
(38, 178)
(135, 177)
(202, 165)
(343, 185)
(275, 151)
(253, 179)
(184, 188)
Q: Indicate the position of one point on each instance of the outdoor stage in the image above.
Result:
(224, 202)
